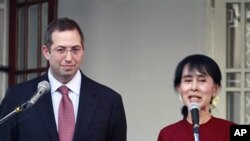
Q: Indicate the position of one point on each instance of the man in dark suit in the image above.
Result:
(97, 111)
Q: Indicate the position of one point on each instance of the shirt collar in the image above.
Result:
(74, 85)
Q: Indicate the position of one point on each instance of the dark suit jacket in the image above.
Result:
(101, 115)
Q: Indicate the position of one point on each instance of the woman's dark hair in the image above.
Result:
(61, 24)
(200, 63)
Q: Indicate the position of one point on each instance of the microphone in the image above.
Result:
(42, 88)
(194, 108)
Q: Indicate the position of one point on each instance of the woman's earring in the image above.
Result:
(215, 101)
(180, 98)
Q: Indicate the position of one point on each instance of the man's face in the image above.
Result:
(65, 55)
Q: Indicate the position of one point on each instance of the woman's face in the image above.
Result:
(197, 87)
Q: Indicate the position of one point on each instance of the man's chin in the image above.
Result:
(67, 73)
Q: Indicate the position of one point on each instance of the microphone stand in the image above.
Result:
(43, 87)
(196, 132)
(18, 109)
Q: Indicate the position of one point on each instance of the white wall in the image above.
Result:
(133, 46)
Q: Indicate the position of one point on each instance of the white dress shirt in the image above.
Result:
(74, 93)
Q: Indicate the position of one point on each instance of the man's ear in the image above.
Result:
(45, 51)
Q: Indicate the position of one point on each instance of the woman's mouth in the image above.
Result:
(194, 98)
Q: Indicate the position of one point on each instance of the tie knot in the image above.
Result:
(64, 90)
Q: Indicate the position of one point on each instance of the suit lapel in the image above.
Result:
(44, 108)
(87, 105)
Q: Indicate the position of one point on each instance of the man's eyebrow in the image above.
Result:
(76, 46)
(68, 47)
(61, 46)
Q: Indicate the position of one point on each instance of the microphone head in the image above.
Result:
(193, 105)
(194, 109)
(44, 84)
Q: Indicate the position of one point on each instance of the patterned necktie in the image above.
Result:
(66, 120)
